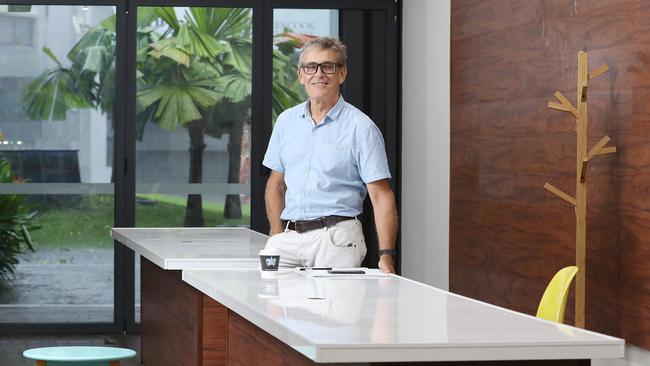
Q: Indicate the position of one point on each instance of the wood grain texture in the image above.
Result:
(508, 236)
(249, 345)
(171, 318)
(214, 333)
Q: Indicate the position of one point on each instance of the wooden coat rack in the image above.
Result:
(582, 160)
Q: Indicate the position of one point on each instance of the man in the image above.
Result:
(325, 155)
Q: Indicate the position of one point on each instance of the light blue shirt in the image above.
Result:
(326, 167)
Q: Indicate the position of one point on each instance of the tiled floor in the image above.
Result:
(12, 347)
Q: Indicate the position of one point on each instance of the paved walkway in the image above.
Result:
(62, 285)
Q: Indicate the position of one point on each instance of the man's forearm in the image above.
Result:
(274, 198)
(386, 219)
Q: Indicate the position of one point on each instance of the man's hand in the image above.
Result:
(386, 264)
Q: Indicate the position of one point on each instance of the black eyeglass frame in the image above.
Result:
(320, 66)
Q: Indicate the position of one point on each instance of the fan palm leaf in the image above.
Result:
(52, 93)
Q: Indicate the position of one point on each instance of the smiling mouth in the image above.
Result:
(320, 83)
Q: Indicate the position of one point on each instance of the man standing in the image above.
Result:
(325, 156)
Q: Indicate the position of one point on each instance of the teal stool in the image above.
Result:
(78, 356)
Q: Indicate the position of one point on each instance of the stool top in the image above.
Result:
(79, 353)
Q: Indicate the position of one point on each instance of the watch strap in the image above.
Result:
(390, 252)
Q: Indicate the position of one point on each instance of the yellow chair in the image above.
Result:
(552, 305)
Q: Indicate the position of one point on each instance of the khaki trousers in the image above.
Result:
(340, 246)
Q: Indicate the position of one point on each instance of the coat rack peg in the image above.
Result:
(606, 150)
(561, 107)
(549, 187)
(583, 169)
(594, 150)
(565, 103)
(598, 71)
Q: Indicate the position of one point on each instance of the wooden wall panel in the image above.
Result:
(508, 236)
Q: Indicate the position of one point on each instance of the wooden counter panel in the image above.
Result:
(171, 318)
(249, 345)
(214, 333)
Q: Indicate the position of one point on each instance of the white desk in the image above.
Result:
(392, 319)
(232, 316)
(173, 313)
(195, 248)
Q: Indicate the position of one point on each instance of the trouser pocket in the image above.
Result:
(346, 234)
(346, 240)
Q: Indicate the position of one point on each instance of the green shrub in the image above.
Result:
(15, 223)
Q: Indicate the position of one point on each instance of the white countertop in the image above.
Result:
(392, 319)
(195, 248)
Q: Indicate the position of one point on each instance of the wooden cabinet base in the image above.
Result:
(180, 326)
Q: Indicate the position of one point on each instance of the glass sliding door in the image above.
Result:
(57, 93)
(193, 117)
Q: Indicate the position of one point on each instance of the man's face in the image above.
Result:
(321, 85)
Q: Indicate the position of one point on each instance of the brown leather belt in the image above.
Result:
(303, 226)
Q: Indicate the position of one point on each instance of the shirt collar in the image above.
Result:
(336, 110)
(333, 113)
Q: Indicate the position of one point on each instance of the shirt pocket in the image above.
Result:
(335, 158)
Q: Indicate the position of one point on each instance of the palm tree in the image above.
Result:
(192, 66)
(193, 73)
(89, 82)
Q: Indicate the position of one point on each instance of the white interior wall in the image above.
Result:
(426, 154)
(425, 141)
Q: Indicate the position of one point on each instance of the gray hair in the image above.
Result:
(327, 43)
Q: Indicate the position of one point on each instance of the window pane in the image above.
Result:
(194, 104)
(292, 28)
(53, 146)
(6, 29)
(194, 117)
(23, 31)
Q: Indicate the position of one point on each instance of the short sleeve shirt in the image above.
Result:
(326, 167)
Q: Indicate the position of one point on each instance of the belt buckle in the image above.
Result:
(298, 225)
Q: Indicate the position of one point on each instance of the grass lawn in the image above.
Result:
(88, 222)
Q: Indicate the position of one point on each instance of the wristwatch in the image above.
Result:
(390, 252)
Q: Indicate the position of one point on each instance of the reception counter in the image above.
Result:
(350, 319)
(217, 313)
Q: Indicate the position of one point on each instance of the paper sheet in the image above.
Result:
(369, 273)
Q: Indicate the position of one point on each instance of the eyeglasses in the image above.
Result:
(327, 67)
